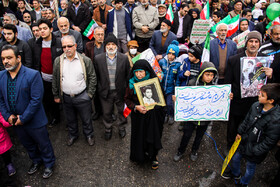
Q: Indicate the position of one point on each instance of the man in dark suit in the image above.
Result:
(112, 69)
(21, 93)
(182, 24)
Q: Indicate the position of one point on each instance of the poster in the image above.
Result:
(252, 77)
(150, 57)
(202, 103)
(241, 39)
(199, 31)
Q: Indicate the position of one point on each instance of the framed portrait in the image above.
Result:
(149, 93)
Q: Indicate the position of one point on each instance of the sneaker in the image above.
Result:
(47, 173)
(193, 156)
(171, 120)
(178, 156)
(229, 175)
(11, 169)
(155, 165)
(181, 126)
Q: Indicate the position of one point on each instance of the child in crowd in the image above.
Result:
(257, 11)
(170, 68)
(208, 76)
(5, 146)
(259, 133)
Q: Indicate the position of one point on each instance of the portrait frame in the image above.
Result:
(155, 91)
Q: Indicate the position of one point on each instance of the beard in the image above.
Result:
(64, 31)
(277, 41)
(12, 68)
(110, 52)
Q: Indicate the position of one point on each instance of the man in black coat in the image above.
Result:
(182, 17)
(112, 69)
(239, 107)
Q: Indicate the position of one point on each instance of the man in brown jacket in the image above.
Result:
(100, 13)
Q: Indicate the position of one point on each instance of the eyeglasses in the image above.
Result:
(69, 46)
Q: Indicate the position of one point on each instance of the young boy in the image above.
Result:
(208, 76)
(260, 132)
(170, 68)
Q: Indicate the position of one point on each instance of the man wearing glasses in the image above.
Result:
(74, 83)
(182, 24)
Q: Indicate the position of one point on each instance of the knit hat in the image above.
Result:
(132, 43)
(237, 1)
(167, 22)
(255, 35)
(196, 51)
(111, 38)
(173, 48)
(162, 5)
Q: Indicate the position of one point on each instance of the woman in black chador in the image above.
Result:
(146, 126)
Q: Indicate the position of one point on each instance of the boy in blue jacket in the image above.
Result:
(260, 132)
(170, 68)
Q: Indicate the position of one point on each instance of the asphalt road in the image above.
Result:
(107, 162)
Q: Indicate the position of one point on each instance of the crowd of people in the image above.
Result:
(47, 62)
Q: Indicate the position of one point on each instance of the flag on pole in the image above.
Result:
(126, 111)
(169, 14)
(204, 14)
(233, 25)
(89, 32)
(276, 21)
(206, 50)
(226, 20)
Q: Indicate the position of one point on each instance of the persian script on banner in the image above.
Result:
(252, 77)
(241, 39)
(150, 57)
(202, 103)
(199, 30)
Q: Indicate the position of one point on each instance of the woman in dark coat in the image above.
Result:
(146, 126)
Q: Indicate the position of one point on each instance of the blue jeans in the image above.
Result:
(250, 168)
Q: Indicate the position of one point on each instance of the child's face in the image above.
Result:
(149, 93)
(263, 97)
(140, 74)
(207, 77)
(171, 56)
(192, 58)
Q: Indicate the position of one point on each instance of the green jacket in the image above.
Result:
(89, 74)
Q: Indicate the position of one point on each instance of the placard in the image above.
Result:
(199, 31)
(241, 39)
(202, 103)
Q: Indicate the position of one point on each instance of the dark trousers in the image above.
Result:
(50, 106)
(7, 157)
(143, 43)
(188, 130)
(82, 105)
(233, 124)
(108, 110)
(169, 105)
(37, 143)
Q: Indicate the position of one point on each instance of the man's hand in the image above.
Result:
(187, 73)
(145, 29)
(174, 98)
(237, 137)
(158, 57)
(76, 28)
(18, 122)
(57, 100)
(141, 109)
(231, 96)
(10, 119)
(268, 72)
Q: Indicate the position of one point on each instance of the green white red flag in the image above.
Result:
(233, 25)
(204, 14)
(169, 14)
(89, 32)
(206, 50)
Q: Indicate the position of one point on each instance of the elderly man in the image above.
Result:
(145, 20)
(161, 14)
(221, 49)
(100, 13)
(10, 34)
(64, 30)
(162, 39)
(237, 8)
(23, 33)
(112, 69)
(74, 83)
(272, 47)
(239, 107)
(64, 7)
(21, 93)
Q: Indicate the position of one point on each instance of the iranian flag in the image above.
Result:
(206, 49)
(169, 14)
(204, 14)
(233, 25)
(226, 20)
(276, 21)
(89, 32)
(126, 111)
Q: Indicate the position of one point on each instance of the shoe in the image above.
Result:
(33, 168)
(11, 169)
(166, 119)
(155, 165)
(47, 173)
(71, 140)
(122, 133)
(90, 140)
(171, 120)
(178, 156)
(193, 156)
(108, 135)
(95, 116)
(53, 122)
(180, 127)
(229, 175)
